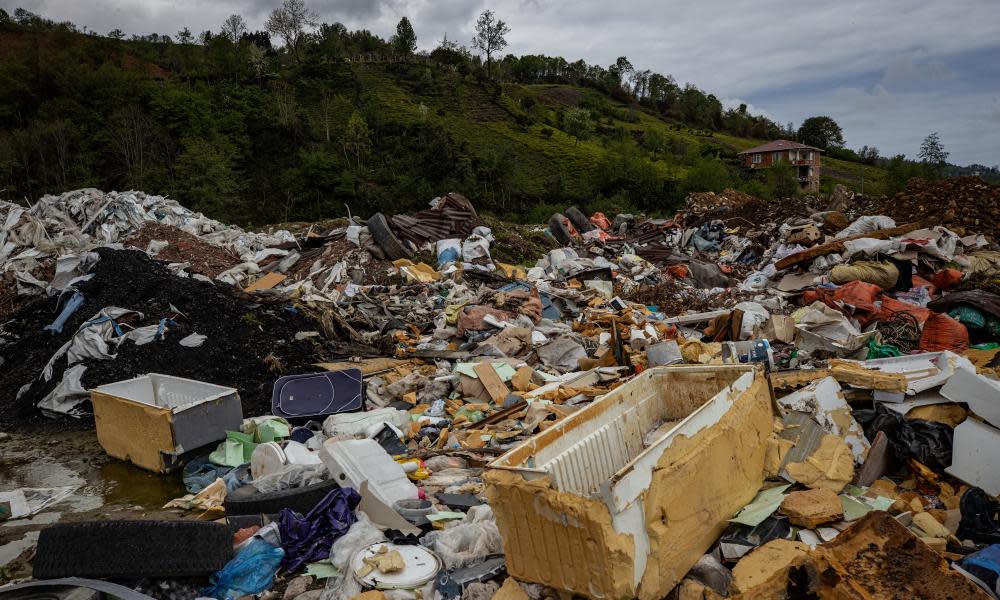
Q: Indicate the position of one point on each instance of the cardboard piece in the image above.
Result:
(876, 462)
(266, 282)
(416, 272)
(779, 328)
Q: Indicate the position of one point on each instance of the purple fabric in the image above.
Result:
(308, 539)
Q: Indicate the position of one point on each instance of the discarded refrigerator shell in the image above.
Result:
(587, 506)
(152, 420)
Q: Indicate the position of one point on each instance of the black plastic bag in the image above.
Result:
(927, 441)
(980, 517)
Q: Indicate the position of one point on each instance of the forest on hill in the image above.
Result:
(299, 120)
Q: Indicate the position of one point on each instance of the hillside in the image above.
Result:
(252, 135)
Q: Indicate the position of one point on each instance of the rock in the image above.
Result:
(4, 436)
(270, 595)
(297, 587)
(812, 508)
(840, 199)
(310, 595)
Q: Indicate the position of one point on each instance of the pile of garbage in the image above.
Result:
(715, 405)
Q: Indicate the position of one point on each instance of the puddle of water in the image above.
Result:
(76, 459)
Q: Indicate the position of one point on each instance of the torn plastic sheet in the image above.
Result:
(72, 269)
(28, 284)
(68, 394)
(92, 339)
(194, 340)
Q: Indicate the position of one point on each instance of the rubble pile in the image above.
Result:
(966, 205)
(747, 400)
(699, 203)
(173, 245)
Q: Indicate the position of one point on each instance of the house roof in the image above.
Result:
(780, 145)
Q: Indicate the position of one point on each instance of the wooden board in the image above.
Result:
(495, 386)
(266, 282)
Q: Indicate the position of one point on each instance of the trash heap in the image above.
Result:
(741, 401)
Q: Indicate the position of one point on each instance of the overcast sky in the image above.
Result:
(889, 71)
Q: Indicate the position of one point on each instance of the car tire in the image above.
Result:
(579, 220)
(394, 249)
(557, 225)
(132, 549)
(248, 501)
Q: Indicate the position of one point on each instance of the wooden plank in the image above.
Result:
(266, 282)
(495, 386)
(797, 377)
(838, 246)
(854, 374)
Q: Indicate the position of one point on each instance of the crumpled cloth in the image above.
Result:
(307, 539)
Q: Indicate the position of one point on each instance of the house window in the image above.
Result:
(809, 155)
(757, 158)
(777, 157)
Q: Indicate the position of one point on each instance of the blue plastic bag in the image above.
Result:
(983, 567)
(250, 572)
(75, 302)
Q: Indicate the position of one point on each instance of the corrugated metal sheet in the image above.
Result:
(454, 216)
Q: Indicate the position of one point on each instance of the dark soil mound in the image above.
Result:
(244, 337)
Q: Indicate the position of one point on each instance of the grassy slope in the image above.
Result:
(488, 126)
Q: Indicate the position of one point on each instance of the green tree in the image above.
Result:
(782, 180)
(184, 36)
(204, 175)
(404, 42)
(933, 154)
(708, 175)
(578, 123)
(357, 141)
(821, 132)
(116, 34)
(490, 37)
(868, 155)
(899, 170)
(233, 28)
(289, 22)
(654, 141)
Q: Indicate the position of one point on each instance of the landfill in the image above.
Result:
(743, 400)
